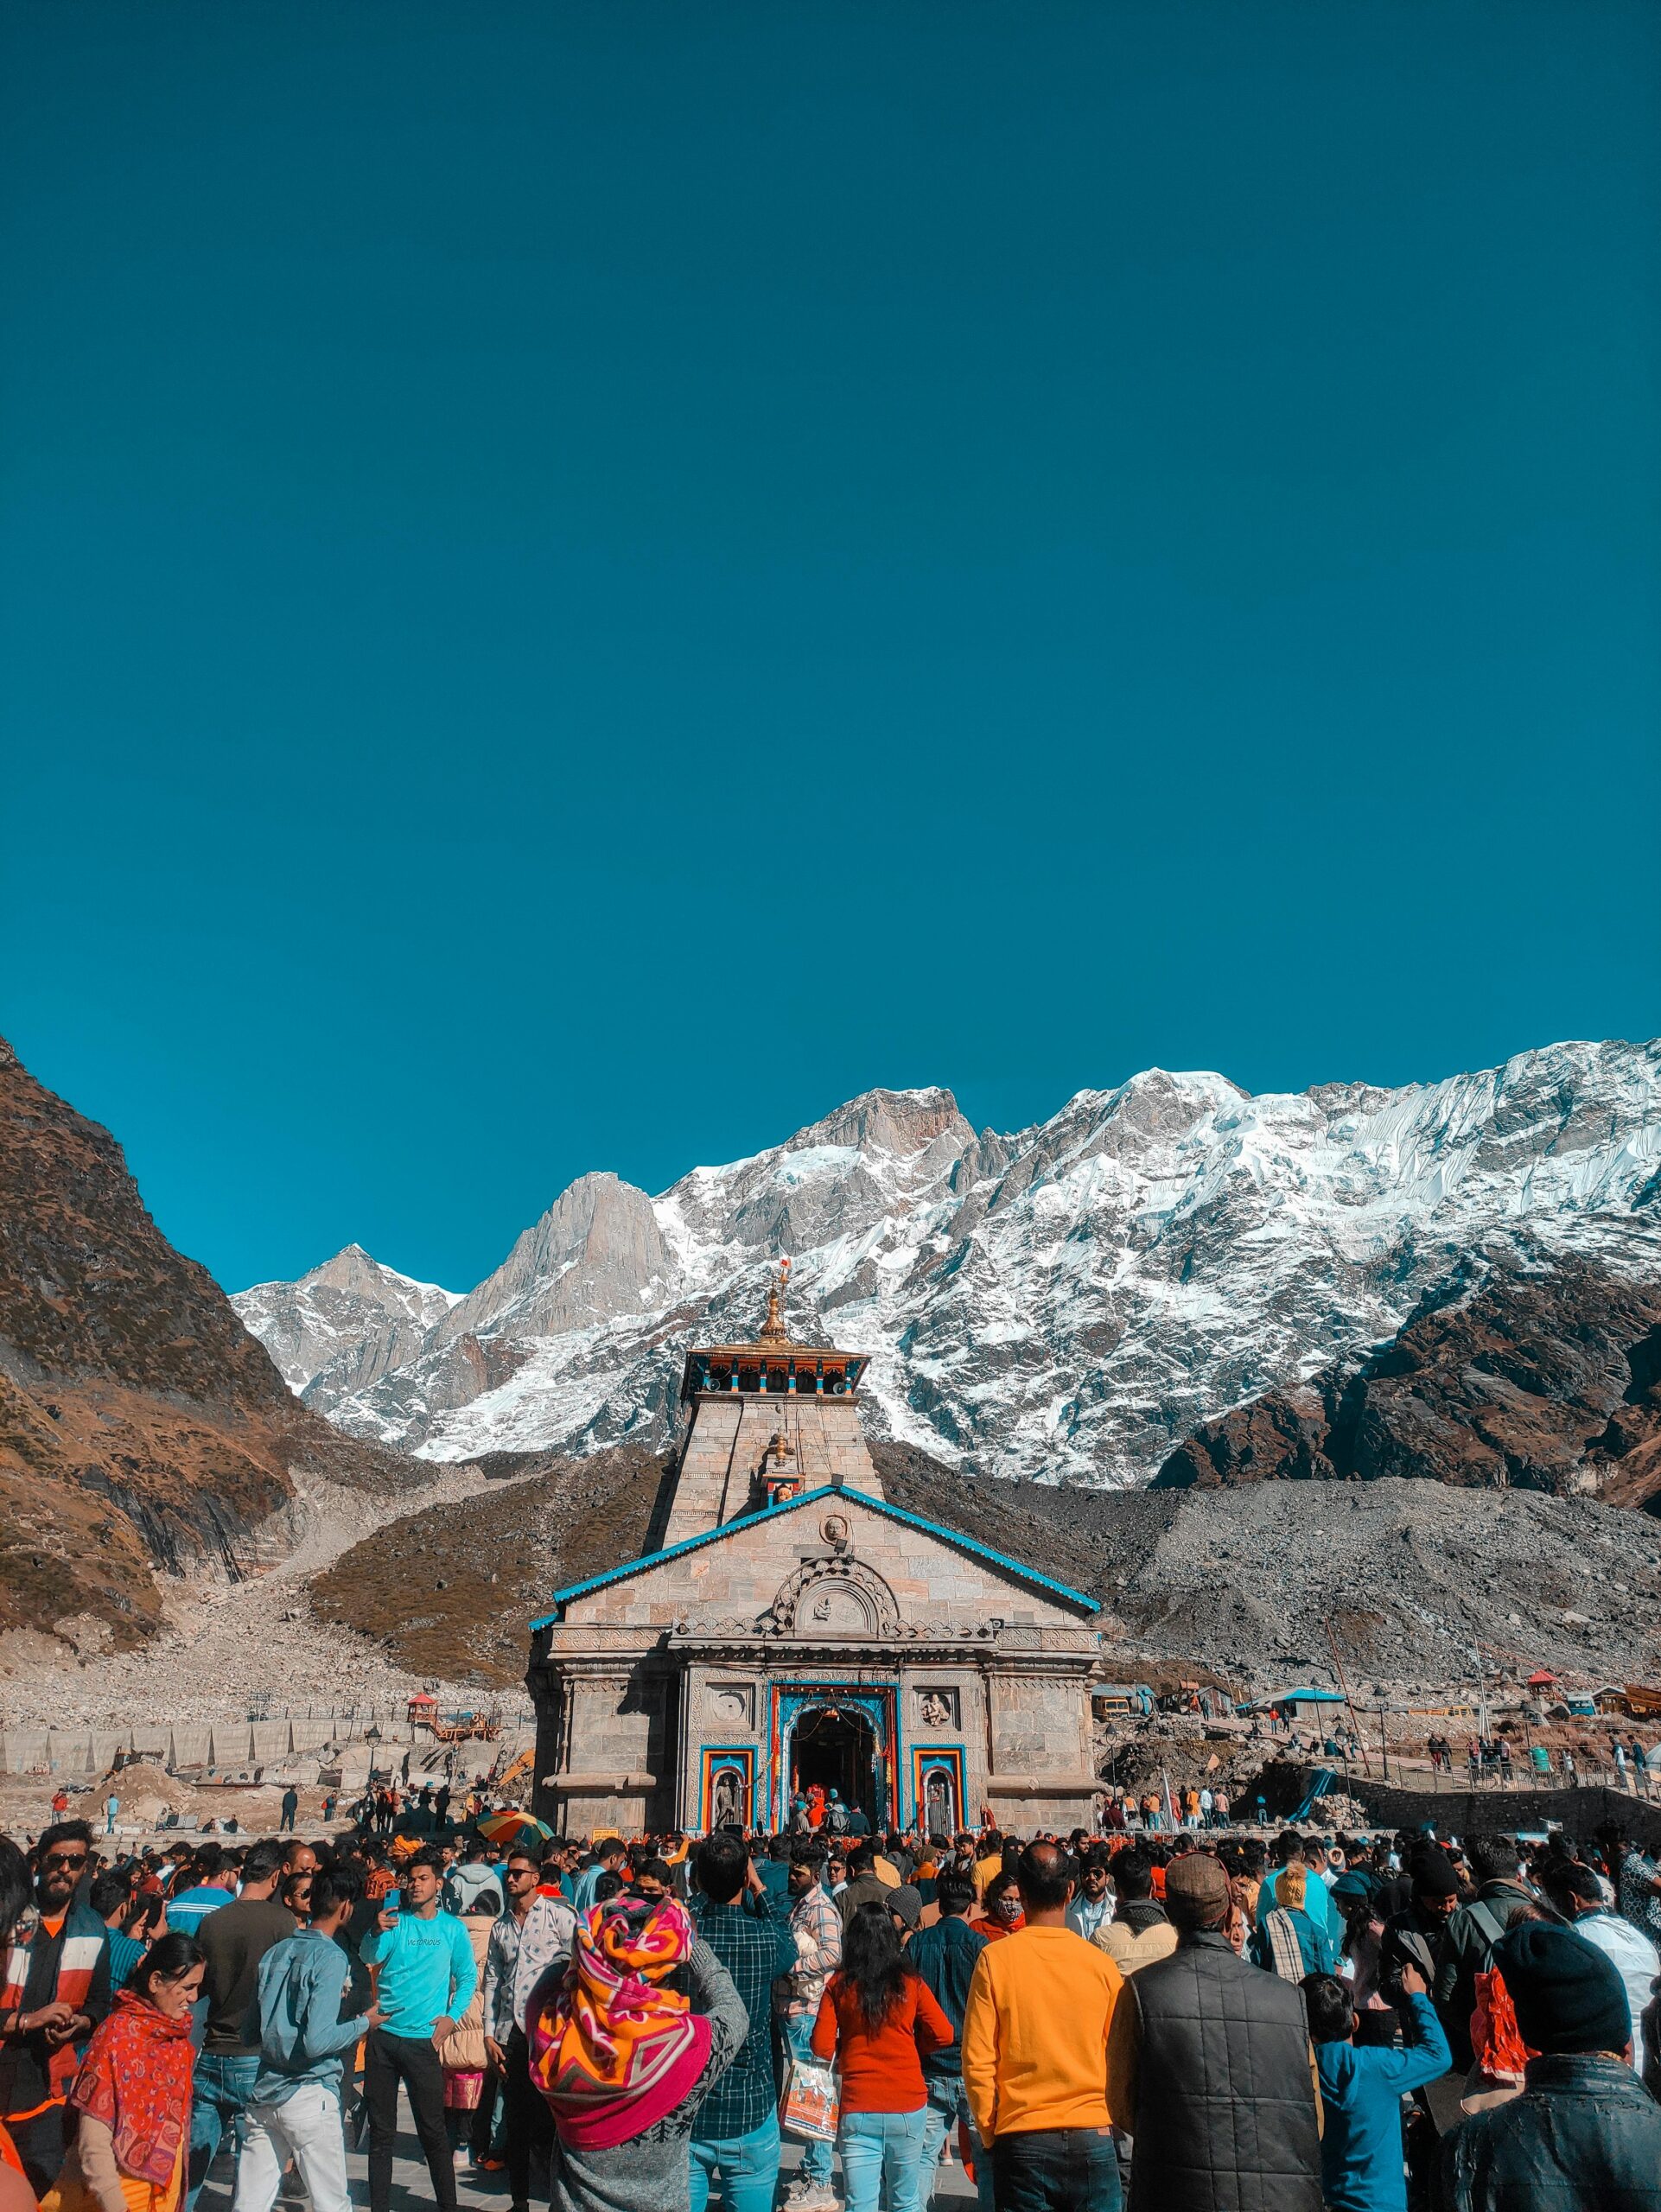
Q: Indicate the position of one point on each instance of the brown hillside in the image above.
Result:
(1546, 1380)
(451, 1590)
(141, 1426)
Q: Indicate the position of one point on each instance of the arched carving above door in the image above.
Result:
(832, 1597)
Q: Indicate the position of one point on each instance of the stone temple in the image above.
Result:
(791, 1627)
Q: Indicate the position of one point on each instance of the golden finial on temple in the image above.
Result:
(773, 1329)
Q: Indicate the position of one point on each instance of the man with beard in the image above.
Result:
(56, 1989)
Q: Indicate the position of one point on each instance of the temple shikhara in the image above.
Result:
(793, 1630)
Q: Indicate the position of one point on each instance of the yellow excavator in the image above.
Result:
(515, 1768)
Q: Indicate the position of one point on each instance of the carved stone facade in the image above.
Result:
(808, 1636)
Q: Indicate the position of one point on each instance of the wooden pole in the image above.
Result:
(1332, 1645)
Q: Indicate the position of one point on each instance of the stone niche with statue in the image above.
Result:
(799, 1642)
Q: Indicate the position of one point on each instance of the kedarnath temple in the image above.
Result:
(794, 1628)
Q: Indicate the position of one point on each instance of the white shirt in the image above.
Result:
(545, 1934)
(1634, 1959)
(1086, 1914)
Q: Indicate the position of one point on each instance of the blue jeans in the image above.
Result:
(816, 2155)
(218, 2099)
(882, 2158)
(747, 2165)
(1057, 2169)
(947, 2105)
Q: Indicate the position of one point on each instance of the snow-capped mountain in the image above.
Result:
(344, 1326)
(1068, 1301)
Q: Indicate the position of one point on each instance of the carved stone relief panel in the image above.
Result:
(731, 1704)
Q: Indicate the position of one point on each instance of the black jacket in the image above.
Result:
(1472, 1933)
(1585, 2133)
(1225, 2099)
(1412, 1938)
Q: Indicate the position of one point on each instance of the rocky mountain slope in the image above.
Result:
(1545, 1379)
(1070, 1302)
(141, 1426)
(448, 1590)
(1248, 1582)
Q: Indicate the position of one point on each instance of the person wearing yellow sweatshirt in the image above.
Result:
(1034, 2052)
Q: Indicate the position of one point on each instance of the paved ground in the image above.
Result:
(412, 2188)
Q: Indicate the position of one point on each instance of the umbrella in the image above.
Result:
(514, 1827)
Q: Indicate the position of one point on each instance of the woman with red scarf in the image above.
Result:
(132, 2094)
(1002, 1915)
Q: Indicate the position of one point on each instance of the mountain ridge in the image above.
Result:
(1070, 1301)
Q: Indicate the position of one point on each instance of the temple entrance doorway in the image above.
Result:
(835, 1748)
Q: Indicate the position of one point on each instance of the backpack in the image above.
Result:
(836, 1818)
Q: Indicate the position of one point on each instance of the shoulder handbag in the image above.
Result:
(810, 2103)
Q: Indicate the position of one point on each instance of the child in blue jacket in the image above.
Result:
(1361, 2091)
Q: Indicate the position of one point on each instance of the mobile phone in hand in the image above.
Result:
(392, 1903)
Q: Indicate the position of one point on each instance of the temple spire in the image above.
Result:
(773, 1331)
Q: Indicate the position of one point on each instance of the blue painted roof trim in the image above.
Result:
(563, 1598)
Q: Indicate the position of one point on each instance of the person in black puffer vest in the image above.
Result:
(1210, 2068)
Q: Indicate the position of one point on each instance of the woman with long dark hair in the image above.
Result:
(132, 2093)
(876, 2016)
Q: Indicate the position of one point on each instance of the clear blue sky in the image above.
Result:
(584, 582)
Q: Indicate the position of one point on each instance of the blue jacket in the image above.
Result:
(1317, 1901)
(1361, 2094)
(302, 2036)
(1314, 1945)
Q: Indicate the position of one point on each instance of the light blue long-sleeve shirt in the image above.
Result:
(1086, 1914)
(302, 2038)
(1317, 1902)
(1361, 2093)
(427, 1972)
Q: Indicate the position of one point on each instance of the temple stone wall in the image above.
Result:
(730, 1436)
(928, 1577)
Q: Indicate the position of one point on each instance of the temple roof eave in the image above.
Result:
(1017, 1570)
(769, 1357)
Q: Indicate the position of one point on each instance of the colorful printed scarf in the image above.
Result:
(79, 1941)
(135, 2078)
(610, 2051)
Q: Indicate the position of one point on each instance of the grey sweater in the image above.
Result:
(649, 2173)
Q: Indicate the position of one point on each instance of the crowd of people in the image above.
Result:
(616, 2026)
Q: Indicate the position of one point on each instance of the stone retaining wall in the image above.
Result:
(1469, 1812)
